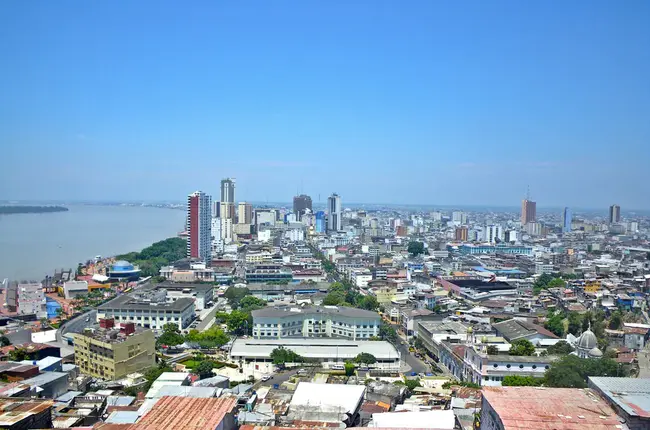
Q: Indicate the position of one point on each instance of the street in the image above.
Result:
(416, 365)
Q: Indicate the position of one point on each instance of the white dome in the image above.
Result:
(595, 353)
(587, 340)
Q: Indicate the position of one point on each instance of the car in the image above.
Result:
(266, 378)
(302, 371)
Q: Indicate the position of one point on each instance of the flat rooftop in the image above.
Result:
(343, 349)
(308, 311)
(131, 303)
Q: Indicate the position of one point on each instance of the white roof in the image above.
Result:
(317, 348)
(173, 376)
(328, 397)
(99, 278)
(415, 420)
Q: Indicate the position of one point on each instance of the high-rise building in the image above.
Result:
(493, 233)
(244, 213)
(459, 218)
(300, 204)
(228, 190)
(227, 210)
(334, 215)
(566, 220)
(199, 219)
(462, 233)
(614, 214)
(320, 222)
(528, 211)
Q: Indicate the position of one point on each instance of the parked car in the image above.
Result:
(266, 378)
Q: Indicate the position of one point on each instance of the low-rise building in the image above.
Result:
(332, 353)
(630, 398)
(19, 414)
(110, 353)
(72, 289)
(149, 310)
(535, 407)
(202, 294)
(315, 321)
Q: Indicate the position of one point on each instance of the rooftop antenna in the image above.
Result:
(528, 192)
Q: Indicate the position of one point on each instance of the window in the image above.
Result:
(534, 366)
(508, 366)
(546, 367)
(496, 365)
(521, 366)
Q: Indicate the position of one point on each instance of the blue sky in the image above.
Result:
(381, 101)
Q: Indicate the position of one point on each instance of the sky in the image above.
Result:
(417, 102)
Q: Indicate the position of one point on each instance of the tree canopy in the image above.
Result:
(555, 324)
(521, 381)
(415, 248)
(153, 257)
(572, 371)
(387, 332)
(213, 337)
(522, 347)
(171, 336)
(282, 355)
(365, 358)
(234, 295)
(204, 369)
(251, 303)
(560, 348)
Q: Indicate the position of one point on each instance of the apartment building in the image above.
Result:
(315, 321)
(111, 353)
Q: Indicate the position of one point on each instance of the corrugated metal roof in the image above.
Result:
(630, 394)
(538, 408)
(180, 413)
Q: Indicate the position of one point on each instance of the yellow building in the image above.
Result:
(385, 294)
(112, 353)
(592, 286)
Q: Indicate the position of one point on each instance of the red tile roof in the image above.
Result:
(539, 408)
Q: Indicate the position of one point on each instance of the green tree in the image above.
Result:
(334, 298)
(415, 248)
(556, 283)
(387, 332)
(418, 344)
(575, 323)
(240, 322)
(170, 328)
(555, 324)
(541, 282)
(412, 384)
(234, 295)
(282, 355)
(349, 368)
(369, 303)
(250, 303)
(616, 320)
(492, 350)
(571, 371)
(211, 338)
(18, 354)
(560, 348)
(522, 347)
(365, 358)
(521, 381)
(204, 369)
(4, 341)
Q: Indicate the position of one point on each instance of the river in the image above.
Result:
(33, 245)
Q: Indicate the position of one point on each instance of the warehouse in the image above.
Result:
(332, 353)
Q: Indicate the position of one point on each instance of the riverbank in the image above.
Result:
(15, 210)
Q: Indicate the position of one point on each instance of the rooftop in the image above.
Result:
(630, 394)
(280, 312)
(181, 413)
(550, 408)
(340, 398)
(514, 329)
(132, 303)
(343, 349)
(13, 411)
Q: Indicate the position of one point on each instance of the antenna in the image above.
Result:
(527, 192)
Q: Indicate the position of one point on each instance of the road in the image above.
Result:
(278, 378)
(416, 365)
(209, 318)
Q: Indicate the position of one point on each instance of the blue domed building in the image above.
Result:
(123, 271)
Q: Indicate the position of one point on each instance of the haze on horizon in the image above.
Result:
(463, 103)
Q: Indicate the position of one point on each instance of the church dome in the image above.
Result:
(587, 340)
(595, 353)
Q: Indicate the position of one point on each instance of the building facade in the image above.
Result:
(244, 213)
(566, 220)
(334, 221)
(325, 321)
(528, 211)
(199, 226)
(321, 222)
(300, 205)
(228, 190)
(112, 353)
(614, 214)
(150, 311)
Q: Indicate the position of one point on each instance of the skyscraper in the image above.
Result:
(528, 211)
(566, 220)
(244, 213)
(300, 204)
(199, 219)
(334, 213)
(320, 222)
(614, 214)
(228, 190)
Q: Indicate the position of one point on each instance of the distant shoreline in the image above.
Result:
(13, 210)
